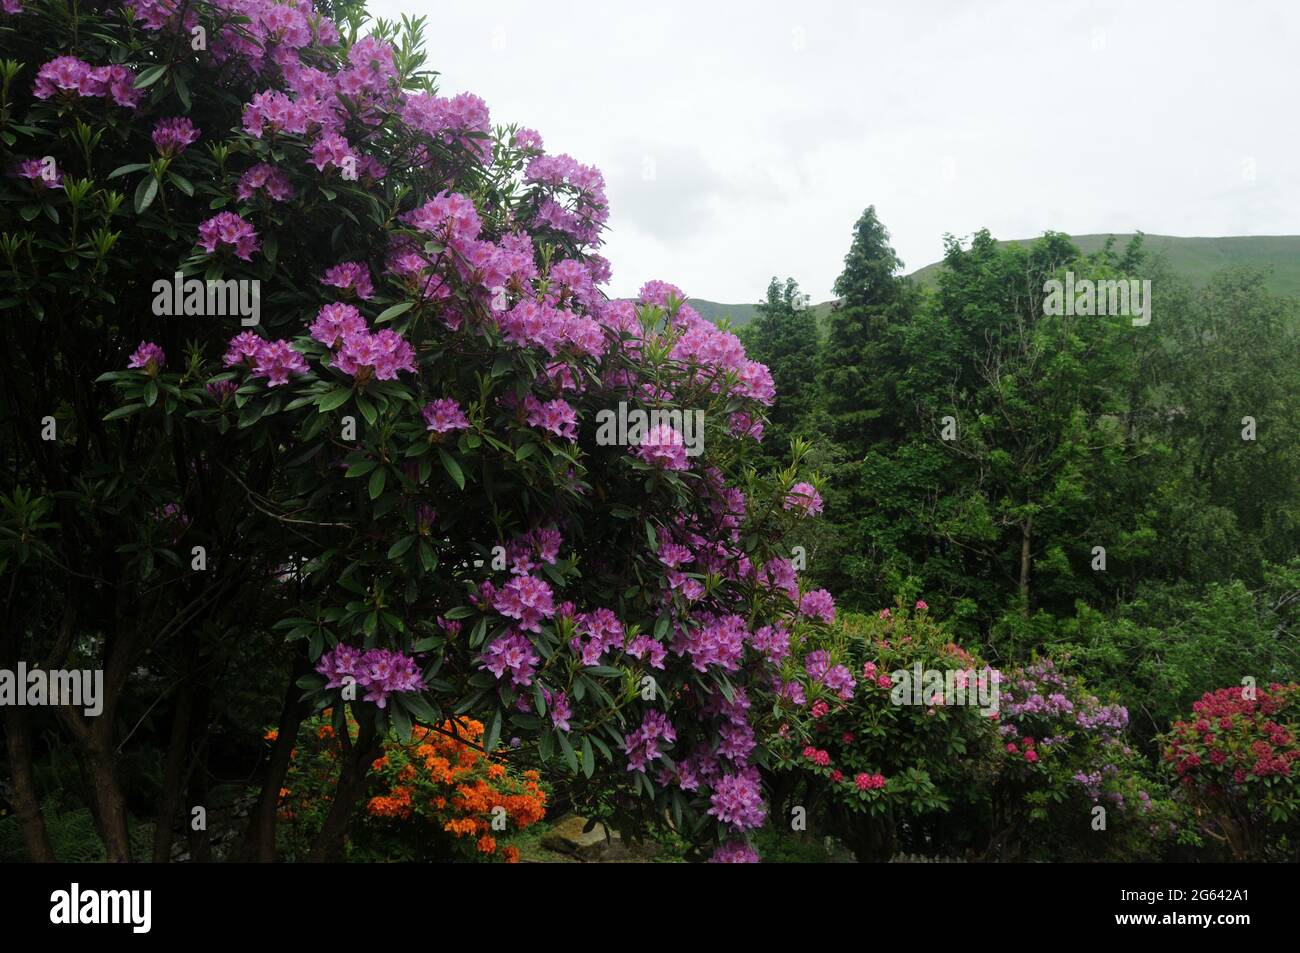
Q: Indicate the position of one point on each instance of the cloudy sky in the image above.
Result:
(741, 140)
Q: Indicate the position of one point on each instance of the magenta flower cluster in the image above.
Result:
(226, 230)
(67, 76)
(381, 672)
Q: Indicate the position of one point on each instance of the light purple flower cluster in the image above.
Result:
(642, 744)
(274, 360)
(554, 416)
(1108, 718)
(448, 121)
(780, 574)
(444, 416)
(738, 800)
(331, 150)
(42, 175)
(837, 678)
(272, 182)
(585, 215)
(718, 642)
(381, 672)
(69, 76)
(352, 277)
(597, 632)
(540, 543)
(511, 653)
(334, 322)
(557, 703)
(648, 647)
(382, 355)
(527, 599)
(712, 350)
(662, 446)
(772, 641)
(148, 357)
(228, 230)
(735, 852)
(804, 498)
(818, 604)
(537, 324)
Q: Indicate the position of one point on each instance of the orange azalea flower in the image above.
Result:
(487, 844)
(511, 855)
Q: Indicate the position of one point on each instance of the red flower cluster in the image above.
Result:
(1239, 734)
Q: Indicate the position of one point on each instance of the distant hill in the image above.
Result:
(1197, 258)
(742, 314)
(712, 311)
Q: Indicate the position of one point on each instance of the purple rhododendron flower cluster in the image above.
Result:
(804, 498)
(381, 672)
(68, 76)
(350, 277)
(444, 416)
(173, 136)
(274, 360)
(519, 282)
(227, 230)
(511, 653)
(148, 357)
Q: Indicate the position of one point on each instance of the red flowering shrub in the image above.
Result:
(1235, 758)
(436, 797)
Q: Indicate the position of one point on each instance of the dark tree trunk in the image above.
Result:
(108, 801)
(259, 839)
(26, 801)
(178, 753)
(328, 845)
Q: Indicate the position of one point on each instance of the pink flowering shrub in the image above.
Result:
(882, 777)
(418, 393)
(889, 757)
(1236, 759)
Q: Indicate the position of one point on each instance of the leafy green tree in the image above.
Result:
(874, 301)
(785, 337)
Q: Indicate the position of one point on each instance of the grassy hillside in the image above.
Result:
(1195, 257)
(713, 311)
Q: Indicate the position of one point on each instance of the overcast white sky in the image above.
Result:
(741, 140)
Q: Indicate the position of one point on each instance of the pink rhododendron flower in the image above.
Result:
(228, 230)
(664, 447)
(276, 360)
(268, 180)
(527, 599)
(173, 136)
(444, 416)
(352, 277)
(148, 357)
(334, 322)
(804, 498)
(818, 604)
(554, 416)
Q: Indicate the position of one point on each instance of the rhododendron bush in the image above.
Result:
(379, 466)
(1001, 765)
(1235, 759)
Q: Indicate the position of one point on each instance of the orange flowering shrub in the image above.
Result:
(436, 797)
